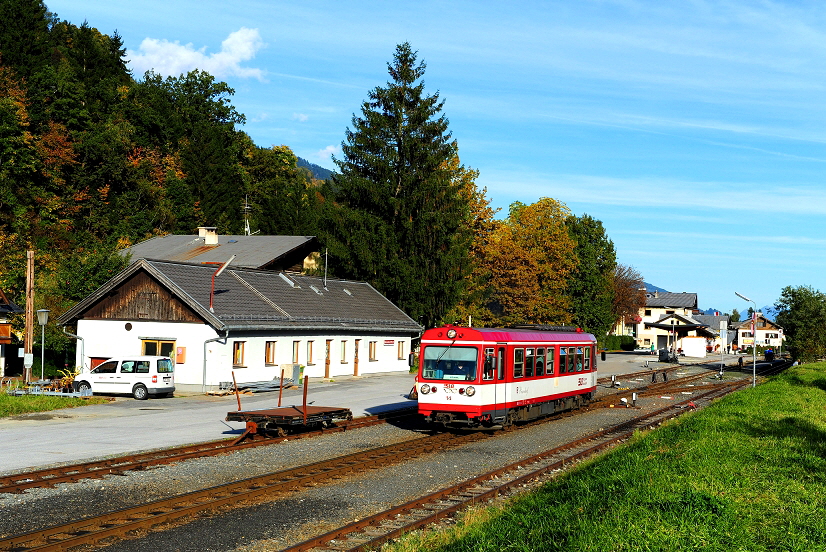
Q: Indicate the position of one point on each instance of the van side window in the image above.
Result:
(142, 367)
(127, 367)
(106, 368)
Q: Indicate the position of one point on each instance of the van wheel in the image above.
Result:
(140, 392)
(83, 387)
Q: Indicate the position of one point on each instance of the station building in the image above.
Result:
(244, 322)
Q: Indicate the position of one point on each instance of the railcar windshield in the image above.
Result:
(450, 363)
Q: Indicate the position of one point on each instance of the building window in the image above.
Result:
(310, 353)
(269, 352)
(372, 350)
(295, 351)
(155, 347)
(343, 351)
(400, 349)
(238, 353)
(647, 312)
(669, 312)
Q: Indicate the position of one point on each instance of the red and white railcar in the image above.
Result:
(484, 377)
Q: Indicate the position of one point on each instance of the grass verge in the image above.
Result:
(747, 473)
(25, 404)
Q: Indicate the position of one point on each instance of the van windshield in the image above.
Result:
(450, 363)
(165, 366)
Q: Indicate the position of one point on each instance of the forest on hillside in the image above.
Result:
(94, 158)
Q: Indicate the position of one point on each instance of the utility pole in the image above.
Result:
(28, 336)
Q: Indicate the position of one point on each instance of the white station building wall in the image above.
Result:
(376, 353)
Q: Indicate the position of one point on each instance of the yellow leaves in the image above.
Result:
(123, 242)
(530, 257)
(159, 167)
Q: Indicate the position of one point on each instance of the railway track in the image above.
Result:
(49, 477)
(122, 523)
(371, 532)
(131, 521)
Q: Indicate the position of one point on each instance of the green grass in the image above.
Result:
(748, 473)
(24, 404)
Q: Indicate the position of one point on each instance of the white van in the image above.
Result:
(139, 376)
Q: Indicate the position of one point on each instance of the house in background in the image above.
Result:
(293, 253)
(768, 333)
(659, 306)
(681, 334)
(250, 322)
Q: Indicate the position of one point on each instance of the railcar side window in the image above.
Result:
(549, 365)
(579, 359)
(490, 364)
(572, 359)
(449, 363)
(540, 361)
(587, 358)
(529, 362)
(563, 360)
(518, 362)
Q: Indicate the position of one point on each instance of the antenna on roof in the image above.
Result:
(246, 209)
(325, 268)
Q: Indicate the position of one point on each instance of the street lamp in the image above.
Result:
(753, 340)
(42, 319)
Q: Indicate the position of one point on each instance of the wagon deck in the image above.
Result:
(292, 415)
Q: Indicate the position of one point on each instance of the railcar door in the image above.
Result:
(501, 388)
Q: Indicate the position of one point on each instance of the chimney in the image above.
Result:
(209, 234)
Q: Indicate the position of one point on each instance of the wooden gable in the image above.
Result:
(141, 297)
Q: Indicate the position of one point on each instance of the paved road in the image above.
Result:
(126, 425)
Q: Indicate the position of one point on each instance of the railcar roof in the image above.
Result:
(510, 334)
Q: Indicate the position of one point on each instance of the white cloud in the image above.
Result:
(172, 58)
(325, 154)
(300, 117)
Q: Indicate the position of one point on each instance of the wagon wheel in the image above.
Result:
(275, 431)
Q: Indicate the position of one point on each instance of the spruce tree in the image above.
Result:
(399, 218)
(590, 286)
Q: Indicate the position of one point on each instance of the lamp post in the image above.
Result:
(42, 319)
(753, 340)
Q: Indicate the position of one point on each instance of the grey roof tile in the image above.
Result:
(250, 251)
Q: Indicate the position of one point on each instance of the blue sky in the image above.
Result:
(695, 131)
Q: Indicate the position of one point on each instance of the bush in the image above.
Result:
(619, 342)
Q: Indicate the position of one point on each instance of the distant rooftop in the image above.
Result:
(262, 252)
(667, 299)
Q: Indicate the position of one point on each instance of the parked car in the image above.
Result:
(139, 376)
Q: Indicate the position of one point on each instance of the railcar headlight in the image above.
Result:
(470, 390)
(425, 389)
